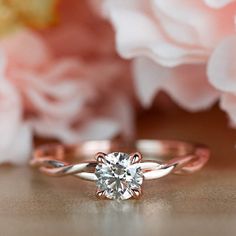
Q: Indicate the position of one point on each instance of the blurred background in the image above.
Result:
(77, 70)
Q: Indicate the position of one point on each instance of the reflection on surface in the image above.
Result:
(134, 217)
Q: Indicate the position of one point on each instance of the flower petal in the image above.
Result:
(186, 84)
(218, 3)
(19, 48)
(15, 142)
(189, 22)
(99, 128)
(3, 63)
(10, 110)
(222, 66)
(20, 148)
(138, 35)
(228, 104)
(174, 22)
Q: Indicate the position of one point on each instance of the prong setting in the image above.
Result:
(135, 157)
(100, 194)
(136, 193)
(100, 157)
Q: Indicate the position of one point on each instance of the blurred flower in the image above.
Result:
(183, 47)
(222, 74)
(15, 144)
(71, 84)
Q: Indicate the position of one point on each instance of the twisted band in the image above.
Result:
(57, 159)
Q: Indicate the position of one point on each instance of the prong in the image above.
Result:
(136, 157)
(136, 193)
(100, 194)
(100, 157)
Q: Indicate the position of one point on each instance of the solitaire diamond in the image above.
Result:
(118, 177)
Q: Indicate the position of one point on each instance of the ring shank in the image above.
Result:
(170, 156)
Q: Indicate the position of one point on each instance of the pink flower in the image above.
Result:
(183, 47)
(70, 84)
(65, 98)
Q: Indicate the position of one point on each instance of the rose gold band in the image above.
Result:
(58, 160)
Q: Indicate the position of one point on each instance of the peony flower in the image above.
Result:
(169, 32)
(185, 48)
(70, 83)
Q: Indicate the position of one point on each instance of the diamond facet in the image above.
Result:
(117, 177)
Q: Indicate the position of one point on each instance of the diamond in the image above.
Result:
(118, 177)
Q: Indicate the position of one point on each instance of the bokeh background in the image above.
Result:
(75, 70)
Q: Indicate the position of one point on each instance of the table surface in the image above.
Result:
(199, 204)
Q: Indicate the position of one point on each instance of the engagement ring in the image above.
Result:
(119, 175)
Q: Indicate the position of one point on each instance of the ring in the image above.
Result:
(119, 175)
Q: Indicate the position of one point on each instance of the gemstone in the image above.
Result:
(118, 177)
